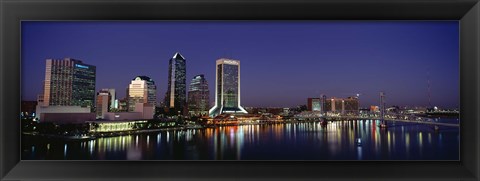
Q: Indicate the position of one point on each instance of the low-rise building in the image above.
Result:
(67, 118)
(49, 111)
(142, 111)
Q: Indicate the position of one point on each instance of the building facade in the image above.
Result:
(227, 88)
(142, 89)
(351, 105)
(175, 97)
(61, 110)
(314, 104)
(198, 96)
(113, 99)
(69, 82)
(342, 106)
(103, 103)
(142, 111)
(123, 105)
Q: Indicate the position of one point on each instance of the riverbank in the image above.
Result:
(95, 135)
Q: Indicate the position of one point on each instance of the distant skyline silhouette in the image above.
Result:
(282, 62)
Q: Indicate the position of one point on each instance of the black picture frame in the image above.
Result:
(14, 11)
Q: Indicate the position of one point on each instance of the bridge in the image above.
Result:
(410, 119)
(425, 122)
(384, 116)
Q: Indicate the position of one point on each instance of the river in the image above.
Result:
(286, 141)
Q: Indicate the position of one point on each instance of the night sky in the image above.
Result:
(282, 62)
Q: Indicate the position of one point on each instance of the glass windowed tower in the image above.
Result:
(142, 89)
(69, 82)
(227, 88)
(198, 96)
(175, 97)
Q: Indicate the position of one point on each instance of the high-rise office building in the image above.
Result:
(103, 103)
(175, 97)
(314, 104)
(351, 105)
(324, 104)
(198, 96)
(343, 106)
(113, 99)
(334, 105)
(69, 82)
(142, 89)
(227, 88)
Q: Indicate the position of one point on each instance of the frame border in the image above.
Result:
(14, 11)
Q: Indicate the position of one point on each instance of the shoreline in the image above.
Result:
(96, 135)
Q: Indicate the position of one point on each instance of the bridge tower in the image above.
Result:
(383, 124)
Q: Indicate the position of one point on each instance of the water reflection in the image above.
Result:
(359, 152)
(290, 141)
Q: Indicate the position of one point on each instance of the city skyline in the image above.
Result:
(269, 79)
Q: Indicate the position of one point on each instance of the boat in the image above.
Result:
(359, 142)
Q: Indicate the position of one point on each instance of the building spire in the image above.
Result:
(178, 56)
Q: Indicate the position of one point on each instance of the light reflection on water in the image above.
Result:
(289, 141)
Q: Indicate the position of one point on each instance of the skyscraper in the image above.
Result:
(142, 89)
(227, 88)
(69, 82)
(343, 106)
(198, 96)
(113, 103)
(314, 104)
(175, 97)
(103, 103)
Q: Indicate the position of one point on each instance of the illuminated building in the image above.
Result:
(286, 111)
(69, 82)
(175, 97)
(198, 96)
(142, 111)
(314, 104)
(114, 126)
(243, 119)
(124, 121)
(113, 99)
(103, 103)
(344, 106)
(142, 89)
(227, 88)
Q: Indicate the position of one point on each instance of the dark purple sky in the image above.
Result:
(282, 62)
